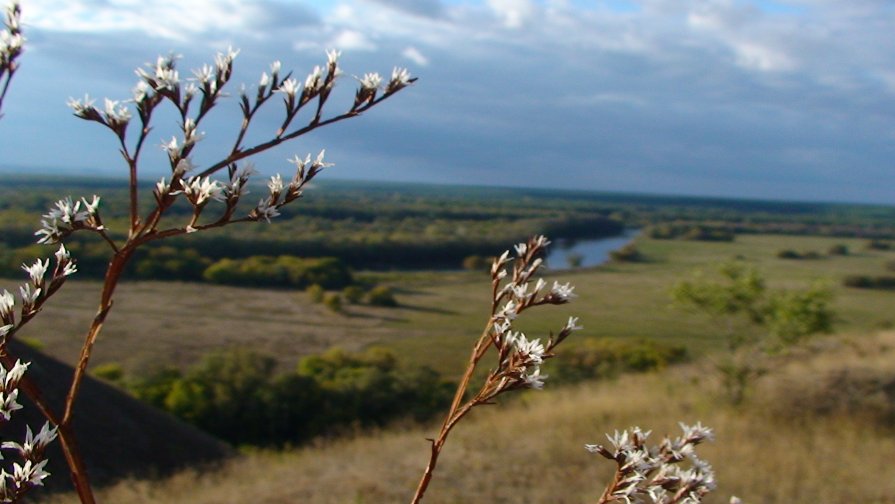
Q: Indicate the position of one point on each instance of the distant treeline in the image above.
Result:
(404, 226)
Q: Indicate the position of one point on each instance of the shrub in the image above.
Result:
(315, 293)
(382, 296)
(839, 249)
(333, 301)
(878, 245)
(628, 253)
(475, 263)
(110, 371)
(602, 358)
(869, 282)
(353, 294)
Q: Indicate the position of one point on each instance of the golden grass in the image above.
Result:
(530, 450)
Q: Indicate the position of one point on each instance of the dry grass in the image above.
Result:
(531, 450)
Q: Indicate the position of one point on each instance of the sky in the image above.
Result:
(770, 99)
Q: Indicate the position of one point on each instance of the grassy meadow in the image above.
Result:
(816, 428)
(440, 314)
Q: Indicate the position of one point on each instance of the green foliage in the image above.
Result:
(574, 260)
(792, 254)
(839, 249)
(740, 290)
(286, 271)
(795, 315)
(688, 231)
(476, 262)
(628, 253)
(169, 263)
(603, 358)
(382, 295)
(883, 282)
(333, 301)
(316, 293)
(110, 371)
(353, 294)
(788, 316)
(878, 245)
(236, 395)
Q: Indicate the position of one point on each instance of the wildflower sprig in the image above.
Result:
(11, 44)
(515, 288)
(162, 82)
(192, 95)
(655, 473)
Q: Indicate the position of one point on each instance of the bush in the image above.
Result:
(878, 245)
(869, 282)
(284, 271)
(382, 296)
(353, 294)
(838, 250)
(476, 263)
(628, 253)
(602, 358)
(110, 371)
(316, 293)
(333, 301)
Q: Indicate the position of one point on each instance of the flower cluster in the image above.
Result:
(654, 474)
(35, 292)
(514, 291)
(162, 81)
(30, 472)
(11, 42)
(68, 216)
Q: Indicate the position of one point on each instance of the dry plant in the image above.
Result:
(518, 358)
(192, 98)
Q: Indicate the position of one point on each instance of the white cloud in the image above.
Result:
(352, 40)
(513, 13)
(414, 55)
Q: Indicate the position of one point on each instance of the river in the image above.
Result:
(591, 252)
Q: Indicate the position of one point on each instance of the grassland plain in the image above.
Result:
(157, 323)
(776, 448)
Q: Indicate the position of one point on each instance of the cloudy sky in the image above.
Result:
(781, 99)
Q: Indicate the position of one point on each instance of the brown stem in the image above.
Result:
(77, 470)
(458, 411)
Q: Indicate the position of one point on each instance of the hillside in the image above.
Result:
(789, 444)
(118, 435)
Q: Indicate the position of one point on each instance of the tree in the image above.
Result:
(756, 318)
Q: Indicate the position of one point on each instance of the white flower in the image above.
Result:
(563, 292)
(81, 108)
(541, 241)
(371, 81)
(9, 403)
(332, 56)
(7, 304)
(91, 206)
(313, 81)
(29, 474)
(572, 324)
(696, 433)
(400, 78)
(204, 74)
(535, 380)
(29, 295)
(531, 350)
(318, 162)
(116, 113)
(275, 184)
(32, 443)
(225, 60)
(37, 271)
(140, 91)
(288, 87)
(200, 190)
(265, 211)
(521, 249)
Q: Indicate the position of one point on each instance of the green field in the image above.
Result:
(156, 323)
